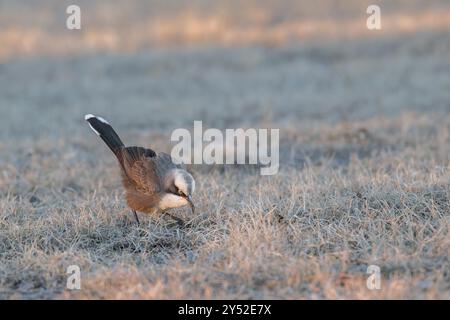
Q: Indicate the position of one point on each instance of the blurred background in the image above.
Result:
(162, 64)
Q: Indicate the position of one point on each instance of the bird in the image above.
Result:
(152, 181)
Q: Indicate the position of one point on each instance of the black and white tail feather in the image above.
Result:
(104, 130)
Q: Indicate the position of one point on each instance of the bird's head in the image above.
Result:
(181, 184)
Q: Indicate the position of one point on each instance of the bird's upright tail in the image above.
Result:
(104, 130)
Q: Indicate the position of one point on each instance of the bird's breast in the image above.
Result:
(169, 201)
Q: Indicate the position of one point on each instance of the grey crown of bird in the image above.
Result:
(152, 182)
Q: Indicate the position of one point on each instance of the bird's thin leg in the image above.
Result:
(178, 220)
(136, 216)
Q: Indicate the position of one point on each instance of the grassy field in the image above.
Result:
(364, 153)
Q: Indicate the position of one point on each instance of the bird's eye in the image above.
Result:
(179, 192)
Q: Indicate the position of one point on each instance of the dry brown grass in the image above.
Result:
(364, 178)
(308, 232)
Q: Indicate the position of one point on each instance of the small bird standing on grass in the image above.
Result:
(152, 181)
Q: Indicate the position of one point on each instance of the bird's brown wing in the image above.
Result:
(143, 174)
(139, 177)
(139, 170)
(145, 169)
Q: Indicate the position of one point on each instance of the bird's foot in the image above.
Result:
(136, 217)
(179, 221)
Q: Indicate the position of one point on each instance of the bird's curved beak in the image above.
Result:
(191, 203)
